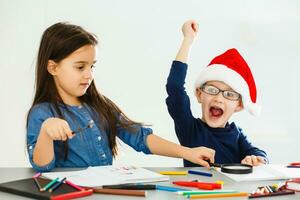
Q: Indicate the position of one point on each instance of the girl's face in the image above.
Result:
(216, 110)
(74, 74)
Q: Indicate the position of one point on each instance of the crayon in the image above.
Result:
(173, 172)
(200, 173)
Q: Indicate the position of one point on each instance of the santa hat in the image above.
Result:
(231, 68)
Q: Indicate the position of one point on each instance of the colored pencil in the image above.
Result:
(57, 185)
(46, 187)
(169, 189)
(37, 183)
(72, 195)
(239, 194)
(120, 192)
(206, 192)
(132, 186)
(293, 166)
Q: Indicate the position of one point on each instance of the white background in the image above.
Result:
(138, 41)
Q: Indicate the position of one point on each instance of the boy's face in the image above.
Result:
(216, 109)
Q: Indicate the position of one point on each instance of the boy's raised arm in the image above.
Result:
(189, 30)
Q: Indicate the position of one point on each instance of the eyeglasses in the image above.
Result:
(227, 94)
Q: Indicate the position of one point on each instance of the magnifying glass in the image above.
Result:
(234, 168)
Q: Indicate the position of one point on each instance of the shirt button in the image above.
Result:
(30, 147)
(80, 106)
(103, 156)
(99, 138)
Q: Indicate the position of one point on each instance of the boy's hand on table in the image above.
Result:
(253, 160)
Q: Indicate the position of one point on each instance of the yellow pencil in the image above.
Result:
(174, 173)
(240, 194)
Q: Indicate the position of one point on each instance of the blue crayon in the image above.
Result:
(200, 173)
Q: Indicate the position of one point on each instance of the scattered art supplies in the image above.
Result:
(108, 175)
(293, 184)
(271, 190)
(28, 188)
(266, 172)
(279, 193)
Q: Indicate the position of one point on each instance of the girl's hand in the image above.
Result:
(200, 155)
(57, 129)
(253, 160)
(190, 29)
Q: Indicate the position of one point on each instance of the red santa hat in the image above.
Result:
(231, 68)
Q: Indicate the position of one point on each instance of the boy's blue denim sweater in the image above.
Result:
(90, 147)
(230, 144)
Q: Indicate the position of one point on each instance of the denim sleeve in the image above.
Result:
(36, 117)
(136, 139)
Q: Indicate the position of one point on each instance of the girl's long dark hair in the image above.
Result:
(59, 41)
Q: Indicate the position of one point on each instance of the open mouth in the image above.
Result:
(215, 111)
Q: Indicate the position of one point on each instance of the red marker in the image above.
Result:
(295, 163)
(72, 195)
(205, 186)
(186, 183)
(200, 185)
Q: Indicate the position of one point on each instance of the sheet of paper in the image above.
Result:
(108, 175)
(266, 172)
(288, 172)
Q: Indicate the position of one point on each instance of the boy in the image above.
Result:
(224, 87)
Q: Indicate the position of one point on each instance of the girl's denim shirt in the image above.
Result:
(89, 147)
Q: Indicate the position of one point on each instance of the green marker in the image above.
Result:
(49, 184)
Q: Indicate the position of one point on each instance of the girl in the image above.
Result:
(70, 124)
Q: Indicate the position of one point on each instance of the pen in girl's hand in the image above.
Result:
(89, 125)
